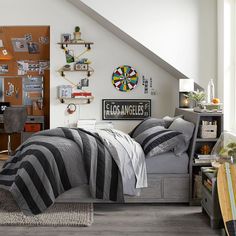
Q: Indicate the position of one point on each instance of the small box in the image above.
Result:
(32, 127)
(208, 131)
(81, 67)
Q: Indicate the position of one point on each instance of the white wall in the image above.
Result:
(107, 53)
(182, 32)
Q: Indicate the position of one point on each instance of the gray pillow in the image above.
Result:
(157, 140)
(185, 127)
(168, 120)
(146, 124)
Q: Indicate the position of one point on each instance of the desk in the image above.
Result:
(24, 135)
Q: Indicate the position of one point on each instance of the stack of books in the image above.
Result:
(204, 158)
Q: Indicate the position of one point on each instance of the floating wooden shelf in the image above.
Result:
(89, 71)
(86, 44)
(77, 101)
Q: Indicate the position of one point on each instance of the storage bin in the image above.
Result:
(32, 127)
(208, 131)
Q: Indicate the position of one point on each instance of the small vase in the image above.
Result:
(77, 36)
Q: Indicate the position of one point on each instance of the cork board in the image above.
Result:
(40, 35)
(9, 34)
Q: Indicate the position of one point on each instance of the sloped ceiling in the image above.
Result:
(128, 39)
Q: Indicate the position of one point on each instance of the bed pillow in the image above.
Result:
(185, 127)
(157, 140)
(168, 120)
(146, 124)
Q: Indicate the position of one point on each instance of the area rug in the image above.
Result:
(60, 214)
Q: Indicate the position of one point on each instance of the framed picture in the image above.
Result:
(66, 38)
(126, 109)
(19, 44)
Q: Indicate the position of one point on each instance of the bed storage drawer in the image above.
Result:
(176, 188)
(153, 191)
(164, 188)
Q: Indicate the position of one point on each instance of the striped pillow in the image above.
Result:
(158, 139)
(146, 124)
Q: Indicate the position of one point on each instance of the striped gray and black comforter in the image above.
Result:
(54, 161)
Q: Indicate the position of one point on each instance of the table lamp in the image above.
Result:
(185, 86)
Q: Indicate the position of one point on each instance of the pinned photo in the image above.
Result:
(43, 40)
(33, 48)
(1, 43)
(19, 44)
(28, 37)
(3, 68)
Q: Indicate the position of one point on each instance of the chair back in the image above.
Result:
(14, 119)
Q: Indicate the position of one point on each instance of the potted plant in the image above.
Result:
(197, 96)
(77, 34)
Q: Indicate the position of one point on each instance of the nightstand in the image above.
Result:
(210, 202)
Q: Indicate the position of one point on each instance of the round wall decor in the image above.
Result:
(125, 78)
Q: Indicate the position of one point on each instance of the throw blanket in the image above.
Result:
(53, 161)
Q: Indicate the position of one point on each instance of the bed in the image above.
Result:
(47, 168)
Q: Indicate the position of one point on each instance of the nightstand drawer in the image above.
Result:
(207, 201)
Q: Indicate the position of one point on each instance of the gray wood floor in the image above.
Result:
(130, 219)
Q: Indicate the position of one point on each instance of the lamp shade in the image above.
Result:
(186, 85)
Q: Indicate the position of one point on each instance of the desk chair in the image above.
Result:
(14, 119)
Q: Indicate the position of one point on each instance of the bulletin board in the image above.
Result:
(30, 45)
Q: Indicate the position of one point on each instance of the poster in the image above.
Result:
(126, 109)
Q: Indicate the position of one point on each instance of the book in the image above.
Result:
(196, 160)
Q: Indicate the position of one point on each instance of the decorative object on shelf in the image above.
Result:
(64, 91)
(126, 109)
(125, 78)
(69, 56)
(71, 108)
(185, 87)
(205, 149)
(81, 94)
(77, 34)
(81, 67)
(198, 97)
(66, 38)
(67, 67)
(210, 91)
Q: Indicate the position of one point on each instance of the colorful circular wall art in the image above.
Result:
(125, 78)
